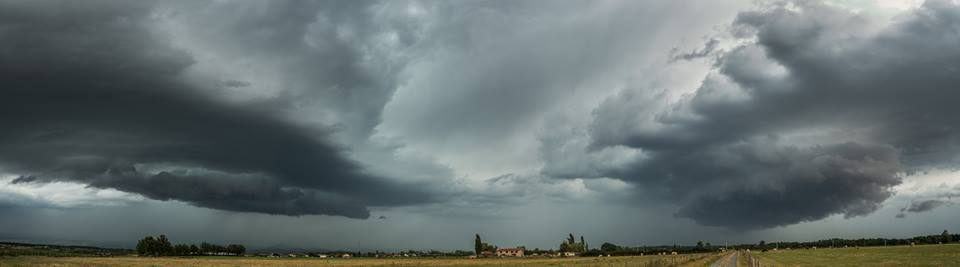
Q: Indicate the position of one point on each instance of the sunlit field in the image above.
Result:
(669, 260)
(923, 255)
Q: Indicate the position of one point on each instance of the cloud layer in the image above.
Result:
(816, 110)
(788, 112)
(91, 94)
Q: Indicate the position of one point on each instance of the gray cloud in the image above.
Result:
(337, 59)
(818, 113)
(709, 49)
(922, 206)
(472, 114)
(795, 185)
(92, 94)
(329, 63)
(493, 72)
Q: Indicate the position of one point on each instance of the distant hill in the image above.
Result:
(26, 249)
(282, 249)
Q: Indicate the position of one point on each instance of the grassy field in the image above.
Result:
(669, 260)
(924, 255)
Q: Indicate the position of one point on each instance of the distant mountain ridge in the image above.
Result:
(28, 249)
(284, 249)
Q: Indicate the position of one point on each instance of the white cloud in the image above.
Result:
(936, 183)
(61, 194)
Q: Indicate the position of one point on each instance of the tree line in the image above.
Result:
(11, 249)
(161, 246)
(570, 244)
(943, 238)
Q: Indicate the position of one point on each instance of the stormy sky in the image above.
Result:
(415, 124)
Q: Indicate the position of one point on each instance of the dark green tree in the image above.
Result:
(164, 248)
(144, 246)
(571, 244)
(609, 247)
(151, 246)
(206, 248)
(477, 245)
(160, 246)
(236, 250)
(219, 249)
(181, 250)
(945, 237)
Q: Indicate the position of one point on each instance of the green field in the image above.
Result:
(923, 255)
(669, 260)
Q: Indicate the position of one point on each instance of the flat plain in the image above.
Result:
(900, 256)
(921, 255)
(667, 260)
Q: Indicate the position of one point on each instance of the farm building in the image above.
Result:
(510, 252)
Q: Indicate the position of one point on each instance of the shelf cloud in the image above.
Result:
(91, 95)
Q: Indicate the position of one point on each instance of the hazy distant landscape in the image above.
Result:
(674, 260)
(931, 250)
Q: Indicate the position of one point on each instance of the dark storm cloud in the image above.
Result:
(926, 205)
(791, 185)
(91, 94)
(336, 57)
(224, 191)
(921, 206)
(820, 115)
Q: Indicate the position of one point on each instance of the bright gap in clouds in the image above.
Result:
(62, 195)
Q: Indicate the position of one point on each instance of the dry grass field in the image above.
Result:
(900, 256)
(669, 260)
